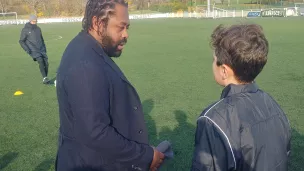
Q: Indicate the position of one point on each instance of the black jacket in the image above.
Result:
(245, 131)
(31, 40)
(102, 123)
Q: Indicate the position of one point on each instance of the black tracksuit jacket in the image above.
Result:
(31, 40)
(246, 130)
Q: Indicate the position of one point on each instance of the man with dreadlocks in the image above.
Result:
(102, 123)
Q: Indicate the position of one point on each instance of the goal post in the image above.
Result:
(204, 9)
(299, 7)
(201, 11)
(10, 17)
(208, 10)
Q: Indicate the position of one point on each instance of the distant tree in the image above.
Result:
(34, 4)
(4, 5)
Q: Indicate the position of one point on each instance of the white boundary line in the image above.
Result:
(58, 38)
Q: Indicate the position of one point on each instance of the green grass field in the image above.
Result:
(169, 63)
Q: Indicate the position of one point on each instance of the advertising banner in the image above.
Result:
(254, 14)
(273, 13)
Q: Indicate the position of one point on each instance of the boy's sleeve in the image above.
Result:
(211, 152)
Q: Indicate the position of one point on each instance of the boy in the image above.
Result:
(246, 130)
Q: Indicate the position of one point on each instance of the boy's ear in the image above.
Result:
(224, 72)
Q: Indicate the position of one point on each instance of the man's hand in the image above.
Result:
(158, 159)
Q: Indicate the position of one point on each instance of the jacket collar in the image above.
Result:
(99, 50)
(236, 89)
(29, 25)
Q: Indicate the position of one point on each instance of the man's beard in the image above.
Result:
(109, 46)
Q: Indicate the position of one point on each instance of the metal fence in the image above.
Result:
(214, 13)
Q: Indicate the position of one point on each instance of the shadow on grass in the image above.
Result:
(297, 152)
(148, 106)
(7, 159)
(45, 165)
(182, 137)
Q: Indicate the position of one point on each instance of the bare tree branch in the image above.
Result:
(4, 4)
(34, 4)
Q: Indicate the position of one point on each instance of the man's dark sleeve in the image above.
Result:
(210, 152)
(22, 40)
(87, 88)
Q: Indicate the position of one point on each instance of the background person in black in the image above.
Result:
(31, 40)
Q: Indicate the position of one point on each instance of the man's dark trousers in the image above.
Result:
(43, 66)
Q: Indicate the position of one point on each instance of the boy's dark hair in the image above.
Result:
(243, 47)
(102, 9)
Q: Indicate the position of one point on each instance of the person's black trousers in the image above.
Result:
(43, 66)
